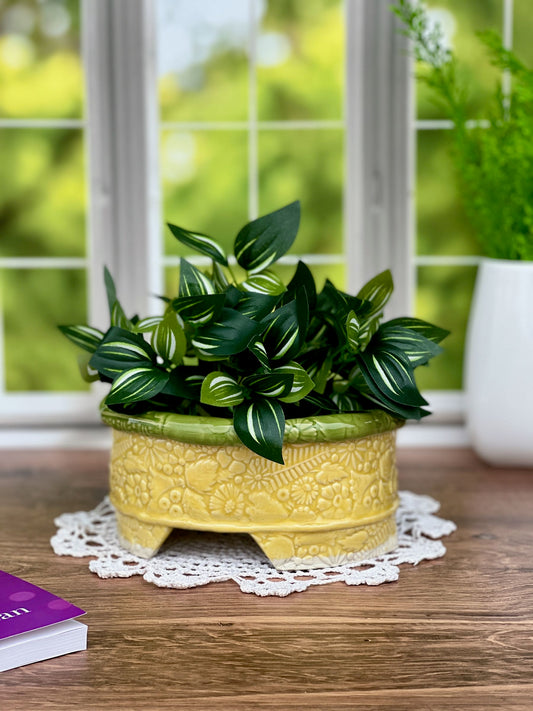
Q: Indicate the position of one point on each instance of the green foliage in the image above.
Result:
(494, 161)
(260, 357)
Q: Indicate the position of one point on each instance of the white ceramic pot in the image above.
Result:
(499, 363)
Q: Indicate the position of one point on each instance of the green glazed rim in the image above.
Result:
(195, 429)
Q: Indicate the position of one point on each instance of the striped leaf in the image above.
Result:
(200, 243)
(119, 351)
(377, 291)
(83, 336)
(137, 384)
(387, 371)
(260, 425)
(359, 331)
(302, 384)
(169, 340)
(406, 412)
(256, 306)
(146, 325)
(119, 318)
(220, 390)
(353, 331)
(88, 374)
(265, 282)
(263, 241)
(228, 335)
(193, 282)
(259, 351)
(219, 279)
(428, 330)
(273, 384)
(416, 347)
(182, 386)
(347, 401)
(199, 310)
(286, 328)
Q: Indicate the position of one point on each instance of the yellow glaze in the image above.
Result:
(330, 503)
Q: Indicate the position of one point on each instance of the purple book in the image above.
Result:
(35, 624)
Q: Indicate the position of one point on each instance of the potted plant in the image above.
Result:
(250, 405)
(494, 165)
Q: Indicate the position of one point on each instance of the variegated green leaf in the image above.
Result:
(428, 330)
(260, 425)
(199, 310)
(119, 318)
(302, 384)
(377, 291)
(388, 371)
(263, 241)
(265, 282)
(219, 278)
(359, 331)
(228, 335)
(181, 385)
(273, 384)
(146, 325)
(169, 340)
(110, 288)
(119, 351)
(200, 243)
(256, 306)
(137, 384)
(220, 390)
(88, 374)
(259, 351)
(353, 330)
(83, 336)
(193, 282)
(347, 401)
(302, 279)
(416, 347)
(286, 328)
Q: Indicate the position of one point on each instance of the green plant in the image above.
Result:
(258, 351)
(494, 159)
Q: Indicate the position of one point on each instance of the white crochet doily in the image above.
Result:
(191, 558)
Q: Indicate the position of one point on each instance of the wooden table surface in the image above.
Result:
(455, 633)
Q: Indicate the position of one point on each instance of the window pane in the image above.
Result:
(306, 165)
(442, 225)
(300, 57)
(443, 298)
(523, 31)
(202, 60)
(42, 202)
(205, 184)
(460, 21)
(37, 356)
(40, 65)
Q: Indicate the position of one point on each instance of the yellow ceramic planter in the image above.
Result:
(332, 502)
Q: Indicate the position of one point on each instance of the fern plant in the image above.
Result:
(259, 351)
(494, 160)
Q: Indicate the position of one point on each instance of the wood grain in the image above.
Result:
(455, 633)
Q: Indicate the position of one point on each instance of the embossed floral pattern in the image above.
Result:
(188, 485)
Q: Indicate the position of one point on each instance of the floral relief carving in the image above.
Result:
(179, 484)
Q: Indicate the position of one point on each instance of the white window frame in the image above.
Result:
(122, 135)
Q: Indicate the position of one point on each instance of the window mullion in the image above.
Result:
(379, 171)
(123, 150)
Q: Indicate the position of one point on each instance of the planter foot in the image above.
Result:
(140, 538)
(307, 551)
